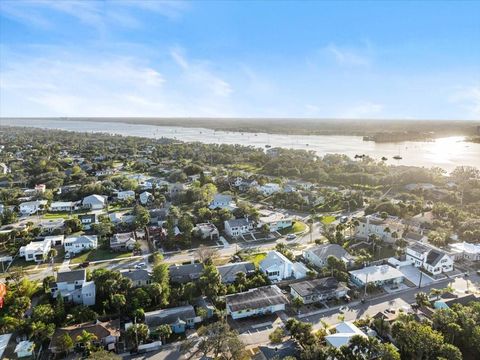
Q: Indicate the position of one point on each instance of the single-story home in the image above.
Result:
(94, 202)
(316, 290)
(466, 251)
(178, 318)
(124, 195)
(259, 301)
(77, 244)
(32, 207)
(182, 274)
(343, 333)
(66, 206)
(377, 275)
(139, 277)
(228, 273)
(448, 303)
(206, 231)
(318, 255)
(145, 197)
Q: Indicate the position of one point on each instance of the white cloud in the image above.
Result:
(347, 56)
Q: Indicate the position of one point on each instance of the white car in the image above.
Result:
(343, 309)
(140, 265)
(291, 236)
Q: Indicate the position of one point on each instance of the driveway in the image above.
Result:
(413, 274)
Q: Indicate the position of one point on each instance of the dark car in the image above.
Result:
(85, 264)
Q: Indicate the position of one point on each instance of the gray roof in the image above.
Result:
(414, 236)
(238, 222)
(229, 272)
(185, 273)
(169, 316)
(256, 298)
(326, 250)
(136, 275)
(70, 276)
(121, 238)
(419, 248)
(462, 300)
(318, 286)
(434, 257)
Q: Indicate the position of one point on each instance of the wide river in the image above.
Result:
(446, 153)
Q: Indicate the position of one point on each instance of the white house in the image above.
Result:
(123, 242)
(145, 197)
(318, 255)
(87, 220)
(343, 333)
(466, 251)
(383, 228)
(254, 302)
(206, 231)
(56, 240)
(269, 189)
(125, 195)
(74, 287)
(32, 207)
(36, 250)
(277, 267)
(429, 258)
(176, 189)
(94, 202)
(377, 275)
(275, 220)
(4, 169)
(222, 201)
(58, 206)
(40, 188)
(77, 244)
(237, 227)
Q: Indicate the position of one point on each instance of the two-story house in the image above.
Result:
(222, 201)
(434, 260)
(237, 227)
(87, 220)
(77, 244)
(32, 207)
(36, 250)
(277, 267)
(388, 229)
(74, 287)
(274, 220)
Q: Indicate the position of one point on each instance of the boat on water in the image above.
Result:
(397, 157)
(268, 146)
(384, 158)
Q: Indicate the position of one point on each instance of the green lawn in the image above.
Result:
(57, 215)
(296, 228)
(328, 219)
(99, 254)
(254, 258)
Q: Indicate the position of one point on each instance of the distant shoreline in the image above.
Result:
(390, 129)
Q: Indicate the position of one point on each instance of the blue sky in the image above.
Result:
(267, 59)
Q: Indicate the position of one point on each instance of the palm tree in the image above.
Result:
(422, 299)
(52, 254)
(86, 339)
(164, 331)
(436, 293)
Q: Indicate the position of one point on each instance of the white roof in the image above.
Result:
(37, 245)
(81, 239)
(55, 237)
(466, 247)
(24, 346)
(34, 203)
(377, 273)
(61, 203)
(344, 332)
(273, 258)
(94, 198)
(268, 216)
(4, 339)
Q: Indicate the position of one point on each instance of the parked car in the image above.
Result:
(140, 265)
(291, 237)
(85, 264)
(343, 309)
(344, 219)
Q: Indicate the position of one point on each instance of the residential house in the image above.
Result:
(228, 272)
(49, 226)
(389, 229)
(36, 250)
(466, 251)
(311, 291)
(178, 318)
(206, 231)
(377, 275)
(415, 237)
(182, 274)
(259, 301)
(343, 334)
(56, 240)
(119, 217)
(448, 303)
(145, 197)
(74, 287)
(139, 277)
(287, 349)
(318, 255)
(269, 189)
(77, 244)
(63, 206)
(32, 207)
(125, 195)
(432, 259)
(277, 267)
(176, 189)
(106, 333)
(87, 220)
(237, 227)
(274, 220)
(40, 188)
(94, 202)
(122, 242)
(223, 201)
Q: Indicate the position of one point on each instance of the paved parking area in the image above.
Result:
(413, 275)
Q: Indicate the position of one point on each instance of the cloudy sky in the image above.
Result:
(228, 59)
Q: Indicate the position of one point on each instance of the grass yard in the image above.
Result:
(327, 220)
(99, 254)
(297, 227)
(57, 215)
(254, 258)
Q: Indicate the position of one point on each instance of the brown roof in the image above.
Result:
(100, 329)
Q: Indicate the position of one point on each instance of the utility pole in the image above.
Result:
(136, 330)
(421, 276)
(366, 284)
